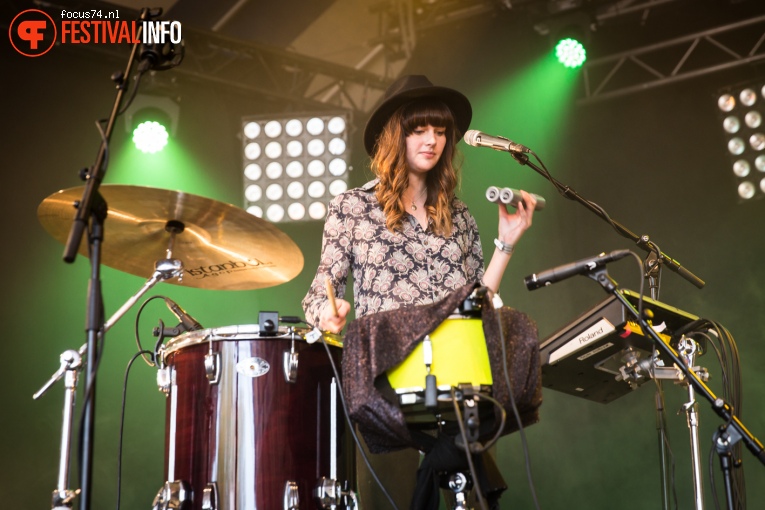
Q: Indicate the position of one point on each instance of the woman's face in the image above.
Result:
(424, 147)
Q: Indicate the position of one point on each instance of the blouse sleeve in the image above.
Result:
(335, 260)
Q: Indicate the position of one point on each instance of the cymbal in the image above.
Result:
(221, 246)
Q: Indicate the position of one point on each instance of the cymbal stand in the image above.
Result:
(71, 364)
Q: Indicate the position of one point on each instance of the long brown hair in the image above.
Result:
(389, 164)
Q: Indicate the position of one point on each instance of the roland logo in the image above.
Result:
(590, 336)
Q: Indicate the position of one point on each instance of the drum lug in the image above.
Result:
(212, 367)
(164, 380)
(329, 494)
(173, 495)
(291, 496)
(210, 497)
(290, 366)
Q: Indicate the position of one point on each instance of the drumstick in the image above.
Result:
(331, 295)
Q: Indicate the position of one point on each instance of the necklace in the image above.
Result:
(414, 206)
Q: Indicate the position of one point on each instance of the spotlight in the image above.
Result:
(740, 110)
(293, 166)
(570, 52)
(150, 133)
(569, 32)
(151, 120)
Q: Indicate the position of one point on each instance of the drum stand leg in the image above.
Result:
(460, 485)
(328, 492)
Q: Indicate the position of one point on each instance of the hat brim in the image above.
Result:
(456, 101)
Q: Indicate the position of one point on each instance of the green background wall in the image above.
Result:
(654, 160)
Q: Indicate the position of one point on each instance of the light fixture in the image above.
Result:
(151, 121)
(569, 32)
(740, 110)
(570, 52)
(294, 165)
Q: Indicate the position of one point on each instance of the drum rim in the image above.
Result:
(230, 333)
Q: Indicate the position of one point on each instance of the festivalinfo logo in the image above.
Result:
(34, 32)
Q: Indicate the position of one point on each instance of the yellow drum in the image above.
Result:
(459, 356)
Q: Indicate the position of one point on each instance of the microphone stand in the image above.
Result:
(92, 210)
(656, 258)
(652, 273)
(728, 434)
(643, 241)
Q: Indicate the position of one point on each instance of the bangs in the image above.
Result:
(430, 112)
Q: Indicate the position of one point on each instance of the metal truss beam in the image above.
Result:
(399, 21)
(273, 72)
(637, 70)
(261, 70)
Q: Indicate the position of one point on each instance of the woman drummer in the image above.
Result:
(405, 236)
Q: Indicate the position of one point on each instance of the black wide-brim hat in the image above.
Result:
(406, 89)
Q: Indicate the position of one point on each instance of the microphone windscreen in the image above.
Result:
(471, 137)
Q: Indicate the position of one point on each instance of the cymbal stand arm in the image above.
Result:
(163, 270)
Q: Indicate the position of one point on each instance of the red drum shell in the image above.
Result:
(250, 434)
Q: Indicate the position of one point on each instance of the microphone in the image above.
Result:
(510, 196)
(187, 321)
(498, 143)
(559, 273)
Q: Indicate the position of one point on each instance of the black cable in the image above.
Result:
(500, 429)
(139, 74)
(348, 419)
(517, 415)
(468, 453)
(737, 474)
(105, 142)
(564, 192)
(665, 435)
(721, 342)
(122, 424)
(150, 362)
(712, 484)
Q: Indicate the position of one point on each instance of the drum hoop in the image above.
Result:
(234, 333)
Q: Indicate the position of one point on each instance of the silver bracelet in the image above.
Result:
(504, 247)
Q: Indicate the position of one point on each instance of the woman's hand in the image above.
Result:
(513, 225)
(328, 321)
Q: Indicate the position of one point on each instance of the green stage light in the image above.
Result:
(150, 136)
(151, 121)
(570, 53)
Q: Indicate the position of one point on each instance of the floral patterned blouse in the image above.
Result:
(411, 266)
